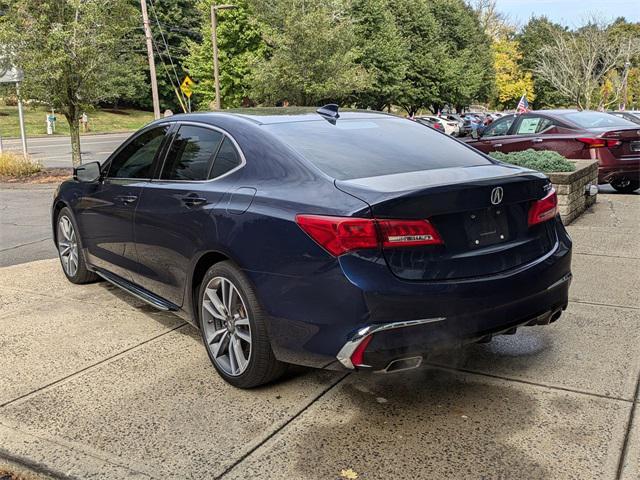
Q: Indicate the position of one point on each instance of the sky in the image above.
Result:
(570, 12)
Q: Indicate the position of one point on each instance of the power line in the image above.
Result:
(166, 46)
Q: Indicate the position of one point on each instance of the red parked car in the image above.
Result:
(613, 141)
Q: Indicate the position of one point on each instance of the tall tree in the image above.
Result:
(468, 73)
(74, 53)
(511, 80)
(534, 37)
(240, 46)
(384, 53)
(426, 55)
(313, 55)
(588, 54)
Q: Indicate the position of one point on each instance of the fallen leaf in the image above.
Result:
(349, 474)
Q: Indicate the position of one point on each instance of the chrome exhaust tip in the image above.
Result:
(402, 364)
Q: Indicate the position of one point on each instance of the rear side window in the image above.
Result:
(532, 125)
(360, 148)
(226, 160)
(136, 159)
(191, 153)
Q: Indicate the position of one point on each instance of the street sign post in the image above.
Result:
(185, 86)
(15, 75)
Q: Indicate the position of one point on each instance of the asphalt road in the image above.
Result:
(55, 151)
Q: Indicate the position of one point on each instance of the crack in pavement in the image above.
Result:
(25, 244)
(627, 436)
(89, 367)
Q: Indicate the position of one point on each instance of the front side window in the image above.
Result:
(499, 127)
(191, 153)
(136, 159)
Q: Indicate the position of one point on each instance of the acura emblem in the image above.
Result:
(496, 195)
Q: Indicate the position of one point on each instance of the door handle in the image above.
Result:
(193, 200)
(536, 140)
(497, 145)
(127, 199)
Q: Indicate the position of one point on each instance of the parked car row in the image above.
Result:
(611, 139)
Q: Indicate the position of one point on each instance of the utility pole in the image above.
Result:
(214, 42)
(23, 133)
(152, 63)
(625, 80)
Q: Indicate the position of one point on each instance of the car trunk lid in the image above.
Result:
(623, 143)
(480, 236)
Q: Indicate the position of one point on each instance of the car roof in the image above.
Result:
(271, 115)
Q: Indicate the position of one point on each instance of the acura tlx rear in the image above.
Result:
(455, 253)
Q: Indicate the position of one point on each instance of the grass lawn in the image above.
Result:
(100, 121)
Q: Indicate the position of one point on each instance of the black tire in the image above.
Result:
(261, 366)
(625, 185)
(81, 274)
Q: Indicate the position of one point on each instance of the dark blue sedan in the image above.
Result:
(341, 240)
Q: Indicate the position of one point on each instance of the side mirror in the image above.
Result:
(87, 173)
(475, 134)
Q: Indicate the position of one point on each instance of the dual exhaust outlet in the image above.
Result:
(409, 363)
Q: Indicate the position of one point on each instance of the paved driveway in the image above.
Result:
(55, 151)
(96, 384)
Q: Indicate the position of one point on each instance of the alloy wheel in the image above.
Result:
(225, 321)
(68, 246)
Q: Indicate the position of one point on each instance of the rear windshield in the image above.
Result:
(597, 120)
(360, 148)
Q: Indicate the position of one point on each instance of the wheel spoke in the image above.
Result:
(218, 348)
(65, 249)
(246, 336)
(231, 299)
(216, 334)
(215, 300)
(233, 363)
(239, 354)
(242, 322)
(209, 307)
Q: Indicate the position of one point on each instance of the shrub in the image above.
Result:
(14, 165)
(542, 160)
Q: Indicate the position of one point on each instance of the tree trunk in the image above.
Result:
(74, 129)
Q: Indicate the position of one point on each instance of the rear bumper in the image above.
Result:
(312, 319)
(610, 169)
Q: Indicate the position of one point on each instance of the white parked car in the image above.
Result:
(450, 127)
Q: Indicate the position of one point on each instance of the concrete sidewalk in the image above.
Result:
(95, 384)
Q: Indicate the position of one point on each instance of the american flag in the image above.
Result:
(523, 104)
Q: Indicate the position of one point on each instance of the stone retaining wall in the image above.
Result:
(571, 189)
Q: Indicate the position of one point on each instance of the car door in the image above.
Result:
(106, 210)
(532, 131)
(174, 211)
(495, 137)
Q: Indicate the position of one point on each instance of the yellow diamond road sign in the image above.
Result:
(185, 86)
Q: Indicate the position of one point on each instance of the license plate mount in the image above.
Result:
(635, 146)
(486, 227)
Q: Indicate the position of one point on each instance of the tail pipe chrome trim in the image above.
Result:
(402, 364)
(345, 353)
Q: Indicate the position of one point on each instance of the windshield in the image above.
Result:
(360, 148)
(597, 119)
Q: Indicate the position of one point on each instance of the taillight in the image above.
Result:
(543, 209)
(599, 142)
(339, 235)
